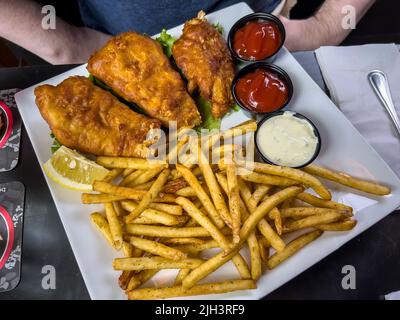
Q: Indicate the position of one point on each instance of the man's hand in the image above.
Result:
(324, 28)
(21, 23)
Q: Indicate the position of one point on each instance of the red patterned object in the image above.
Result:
(8, 123)
(8, 237)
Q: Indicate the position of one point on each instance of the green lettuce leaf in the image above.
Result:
(209, 122)
(56, 144)
(219, 27)
(166, 41)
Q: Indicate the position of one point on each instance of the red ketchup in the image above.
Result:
(262, 91)
(257, 40)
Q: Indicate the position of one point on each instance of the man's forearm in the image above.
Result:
(325, 27)
(328, 20)
(21, 23)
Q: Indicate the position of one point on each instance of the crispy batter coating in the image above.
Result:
(137, 69)
(84, 117)
(203, 56)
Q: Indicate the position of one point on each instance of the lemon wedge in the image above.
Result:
(72, 170)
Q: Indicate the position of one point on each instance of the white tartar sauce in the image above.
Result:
(287, 140)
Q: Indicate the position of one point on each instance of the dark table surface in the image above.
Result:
(375, 254)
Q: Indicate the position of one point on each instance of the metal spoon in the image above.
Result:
(381, 88)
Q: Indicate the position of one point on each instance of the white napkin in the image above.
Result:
(393, 296)
(345, 72)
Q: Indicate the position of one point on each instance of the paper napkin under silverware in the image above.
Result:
(345, 71)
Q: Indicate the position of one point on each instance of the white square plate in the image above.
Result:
(343, 148)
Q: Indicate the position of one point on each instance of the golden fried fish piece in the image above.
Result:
(204, 58)
(87, 118)
(137, 69)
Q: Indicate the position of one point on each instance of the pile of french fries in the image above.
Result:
(164, 216)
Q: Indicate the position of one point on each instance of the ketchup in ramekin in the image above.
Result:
(262, 88)
(257, 40)
(256, 37)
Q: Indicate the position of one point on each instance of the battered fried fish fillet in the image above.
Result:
(204, 58)
(84, 117)
(137, 69)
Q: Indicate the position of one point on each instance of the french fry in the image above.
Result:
(292, 247)
(208, 267)
(170, 232)
(145, 186)
(173, 186)
(153, 216)
(144, 263)
(181, 275)
(128, 193)
(245, 191)
(226, 151)
(201, 194)
(345, 225)
(178, 291)
(112, 174)
(131, 178)
(315, 220)
(167, 208)
(196, 248)
(215, 233)
(94, 198)
(303, 212)
(127, 249)
(175, 174)
(125, 278)
(270, 235)
(145, 220)
(275, 215)
(216, 195)
(145, 176)
(291, 173)
(186, 192)
(255, 259)
(131, 163)
(108, 188)
(264, 250)
(100, 222)
(140, 278)
(149, 196)
(115, 226)
(158, 249)
(234, 201)
(260, 191)
(118, 209)
(243, 128)
(126, 172)
(266, 178)
(347, 180)
(318, 202)
(177, 241)
(164, 207)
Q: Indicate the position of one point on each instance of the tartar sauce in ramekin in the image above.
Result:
(287, 140)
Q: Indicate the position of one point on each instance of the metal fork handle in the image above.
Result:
(380, 85)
